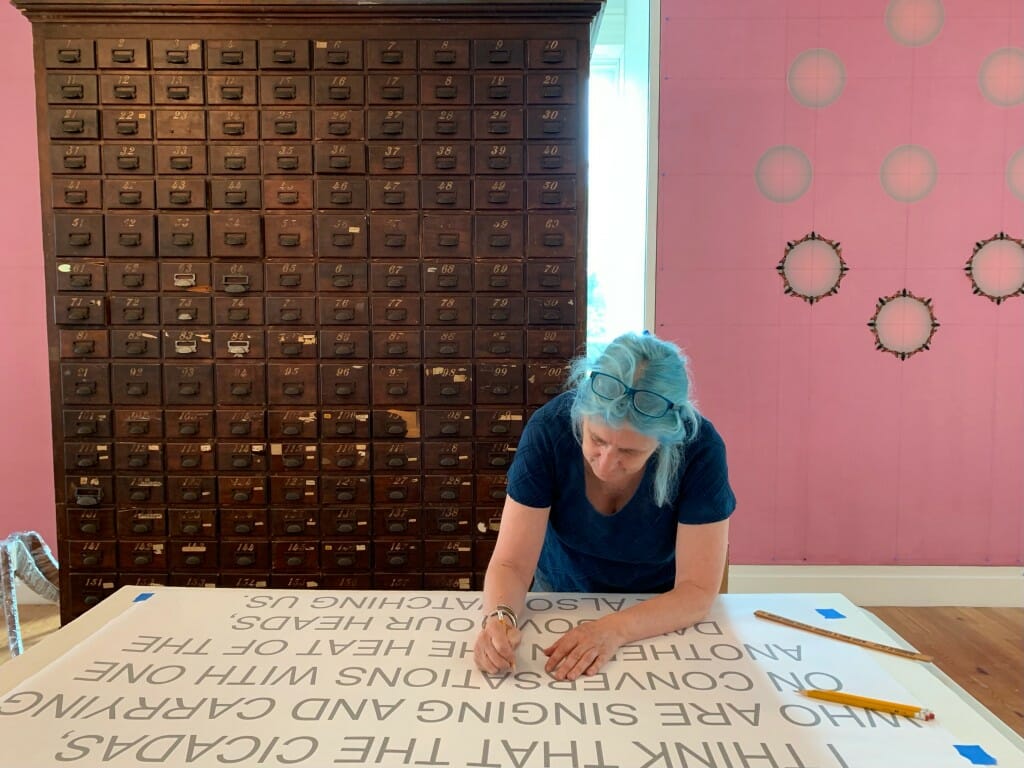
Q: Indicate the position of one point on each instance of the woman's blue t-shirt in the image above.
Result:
(632, 550)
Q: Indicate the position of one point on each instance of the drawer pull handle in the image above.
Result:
(341, 197)
(341, 162)
(127, 127)
(241, 389)
(285, 92)
(394, 240)
(288, 198)
(292, 462)
(500, 315)
(180, 197)
(73, 91)
(396, 461)
(450, 390)
(498, 281)
(74, 162)
(337, 57)
(499, 92)
(290, 281)
(396, 314)
(551, 162)
(69, 55)
(291, 428)
(449, 428)
(343, 239)
(344, 349)
(397, 428)
(448, 281)
(446, 92)
(188, 388)
(186, 314)
(293, 389)
(393, 92)
(444, 57)
(344, 389)
(233, 58)
(499, 428)
(88, 497)
(188, 428)
(75, 196)
(231, 92)
(447, 495)
(284, 56)
(554, 240)
(286, 127)
(448, 348)
(85, 460)
(136, 347)
(398, 348)
(81, 281)
(178, 92)
(235, 197)
(394, 163)
(499, 163)
(137, 388)
(189, 462)
(552, 314)
(345, 462)
(395, 197)
(500, 241)
(291, 315)
(238, 314)
(241, 460)
(84, 347)
(498, 197)
(288, 240)
(72, 126)
(393, 127)
(291, 349)
(123, 55)
(129, 198)
(85, 388)
(397, 389)
(553, 56)
(391, 57)
(127, 163)
(339, 127)
(500, 348)
(449, 460)
(551, 126)
(235, 238)
(133, 280)
(396, 281)
(233, 127)
(342, 281)
(126, 92)
(138, 427)
(445, 162)
(550, 281)
(181, 163)
(498, 126)
(339, 92)
(448, 315)
(186, 346)
(287, 163)
(446, 127)
(236, 283)
(551, 198)
(241, 427)
(184, 280)
(344, 314)
(445, 198)
(499, 56)
(137, 460)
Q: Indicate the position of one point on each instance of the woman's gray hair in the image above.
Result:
(641, 361)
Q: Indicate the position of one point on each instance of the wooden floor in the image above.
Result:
(982, 649)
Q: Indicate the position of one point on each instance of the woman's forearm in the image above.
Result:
(505, 585)
(680, 607)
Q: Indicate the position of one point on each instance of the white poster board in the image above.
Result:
(213, 678)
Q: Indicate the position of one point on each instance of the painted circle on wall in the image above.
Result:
(816, 77)
(903, 324)
(914, 22)
(909, 173)
(783, 174)
(812, 268)
(1001, 77)
(1015, 173)
(997, 268)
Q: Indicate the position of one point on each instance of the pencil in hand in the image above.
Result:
(878, 705)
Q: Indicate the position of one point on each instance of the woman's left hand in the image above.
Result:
(582, 650)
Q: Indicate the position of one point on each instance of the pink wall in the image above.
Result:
(840, 453)
(26, 453)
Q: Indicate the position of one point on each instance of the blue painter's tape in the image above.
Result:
(142, 596)
(830, 613)
(975, 754)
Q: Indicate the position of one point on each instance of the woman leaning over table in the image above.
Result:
(618, 485)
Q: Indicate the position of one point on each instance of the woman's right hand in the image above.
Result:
(495, 648)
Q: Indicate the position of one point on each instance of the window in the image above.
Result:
(619, 146)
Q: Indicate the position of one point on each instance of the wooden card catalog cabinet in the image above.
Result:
(311, 267)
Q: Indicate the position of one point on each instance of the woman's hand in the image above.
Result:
(583, 650)
(495, 648)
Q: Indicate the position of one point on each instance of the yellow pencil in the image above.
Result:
(879, 705)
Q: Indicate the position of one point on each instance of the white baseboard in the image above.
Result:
(906, 585)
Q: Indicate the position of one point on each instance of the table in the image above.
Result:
(215, 677)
